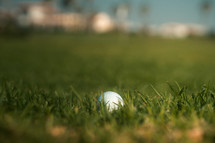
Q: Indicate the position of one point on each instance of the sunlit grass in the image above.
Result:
(49, 85)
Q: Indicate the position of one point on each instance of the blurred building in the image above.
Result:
(35, 13)
(101, 23)
(46, 15)
(179, 30)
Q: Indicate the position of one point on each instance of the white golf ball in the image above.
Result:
(112, 100)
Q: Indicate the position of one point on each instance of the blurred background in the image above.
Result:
(167, 18)
(98, 44)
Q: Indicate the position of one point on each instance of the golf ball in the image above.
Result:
(112, 100)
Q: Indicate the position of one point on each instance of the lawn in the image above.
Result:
(49, 85)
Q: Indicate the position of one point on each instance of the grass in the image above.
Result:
(49, 85)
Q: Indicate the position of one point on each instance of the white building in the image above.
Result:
(34, 13)
(68, 21)
(101, 23)
(46, 15)
(179, 30)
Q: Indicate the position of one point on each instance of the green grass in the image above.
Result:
(49, 85)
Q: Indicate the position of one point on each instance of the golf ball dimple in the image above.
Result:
(112, 100)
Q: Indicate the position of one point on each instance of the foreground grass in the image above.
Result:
(50, 84)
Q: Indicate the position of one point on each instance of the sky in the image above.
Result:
(160, 11)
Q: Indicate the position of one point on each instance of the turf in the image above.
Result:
(49, 85)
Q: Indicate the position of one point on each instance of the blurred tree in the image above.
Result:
(121, 12)
(67, 3)
(206, 7)
(145, 11)
(78, 5)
